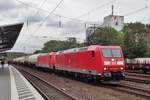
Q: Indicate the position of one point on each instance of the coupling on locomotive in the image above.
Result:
(102, 63)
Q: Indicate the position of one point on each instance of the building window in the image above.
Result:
(116, 23)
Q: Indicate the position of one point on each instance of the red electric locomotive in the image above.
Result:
(46, 61)
(105, 63)
(43, 61)
(102, 62)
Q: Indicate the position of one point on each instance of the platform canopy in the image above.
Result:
(9, 35)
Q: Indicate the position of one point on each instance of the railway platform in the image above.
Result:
(13, 85)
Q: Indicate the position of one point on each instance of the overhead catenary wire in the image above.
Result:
(34, 7)
(144, 20)
(126, 15)
(95, 9)
(37, 12)
(81, 21)
(73, 19)
(47, 17)
(65, 17)
(28, 18)
(30, 6)
(52, 12)
(52, 37)
(78, 20)
(41, 6)
(136, 11)
(60, 16)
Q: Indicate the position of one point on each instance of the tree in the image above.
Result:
(107, 36)
(11, 55)
(56, 45)
(135, 44)
(148, 40)
(37, 51)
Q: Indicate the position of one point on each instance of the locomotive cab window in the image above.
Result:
(111, 53)
(116, 53)
(106, 53)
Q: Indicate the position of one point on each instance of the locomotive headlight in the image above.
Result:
(121, 68)
(112, 59)
(106, 62)
(120, 62)
(105, 68)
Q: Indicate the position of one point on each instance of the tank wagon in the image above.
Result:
(139, 64)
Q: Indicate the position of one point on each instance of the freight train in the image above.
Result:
(142, 64)
(102, 63)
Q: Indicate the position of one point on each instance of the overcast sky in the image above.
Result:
(56, 26)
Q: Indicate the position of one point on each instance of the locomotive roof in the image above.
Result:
(86, 48)
(9, 35)
(103, 46)
(73, 50)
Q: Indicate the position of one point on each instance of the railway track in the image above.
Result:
(132, 90)
(138, 75)
(129, 89)
(46, 89)
(139, 78)
(143, 81)
(124, 88)
(137, 72)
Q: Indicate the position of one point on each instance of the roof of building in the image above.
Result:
(9, 35)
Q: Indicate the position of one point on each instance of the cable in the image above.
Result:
(73, 19)
(144, 20)
(76, 19)
(48, 16)
(42, 10)
(92, 10)
(53, 38)
(41, 6)
(37, 12)
(46, 10)
(136, 11)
